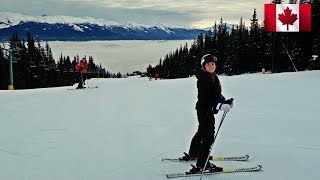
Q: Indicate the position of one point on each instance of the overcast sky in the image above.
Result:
(197, 13)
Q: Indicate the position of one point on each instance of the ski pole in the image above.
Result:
(215, 136)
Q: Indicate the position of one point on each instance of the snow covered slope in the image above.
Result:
(122, 129)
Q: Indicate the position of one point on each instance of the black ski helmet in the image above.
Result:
(208, 58)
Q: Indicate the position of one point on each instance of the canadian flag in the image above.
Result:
(287, 17)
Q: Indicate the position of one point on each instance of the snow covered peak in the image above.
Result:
(87, 28)
(8, 19)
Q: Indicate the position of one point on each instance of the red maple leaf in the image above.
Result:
(287, 18)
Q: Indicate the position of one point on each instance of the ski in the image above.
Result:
(216, 158)
(186, 174)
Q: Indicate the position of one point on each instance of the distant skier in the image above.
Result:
(82, 67)
(157, 76)
(210, 101)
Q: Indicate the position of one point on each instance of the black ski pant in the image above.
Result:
(82, 78)
(204, 137)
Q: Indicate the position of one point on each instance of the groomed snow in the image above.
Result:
(122, 129)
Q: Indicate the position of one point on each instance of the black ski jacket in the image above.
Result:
(209, 92)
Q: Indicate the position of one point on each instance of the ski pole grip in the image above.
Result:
(229, 101)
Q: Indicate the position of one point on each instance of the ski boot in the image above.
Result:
(209, 168)
(187, 157)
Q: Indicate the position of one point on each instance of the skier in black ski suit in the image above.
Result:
(210, 101)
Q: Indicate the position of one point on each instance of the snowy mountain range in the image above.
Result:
(86, 28)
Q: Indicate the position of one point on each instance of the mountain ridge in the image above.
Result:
(86, 28)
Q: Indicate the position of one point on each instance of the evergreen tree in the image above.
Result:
(266, 50)
(315, 16)
(233, 55)
(222, 43)
(91, 65)
(1, 53)
(67, 63)
(242, 39)
(208, 43)
(256, 43)
(60, 64)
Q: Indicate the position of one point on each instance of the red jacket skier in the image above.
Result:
(82, 67)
